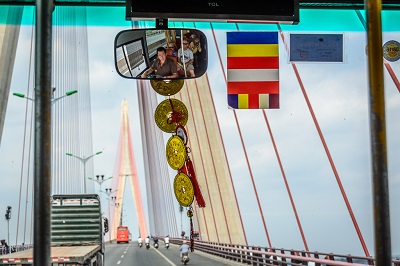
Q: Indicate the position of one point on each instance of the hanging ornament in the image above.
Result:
(167, 87)
(170, 113)
(176, 152)
(197, 193)
(183, 189)
(189, 170)
(181, 132)
(191, 230)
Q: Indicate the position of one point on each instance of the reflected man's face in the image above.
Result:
(161, 56)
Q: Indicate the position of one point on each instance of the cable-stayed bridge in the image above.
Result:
(266, 202)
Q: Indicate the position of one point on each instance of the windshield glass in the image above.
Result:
(320, 72)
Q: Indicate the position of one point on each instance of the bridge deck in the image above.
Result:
(56, 252)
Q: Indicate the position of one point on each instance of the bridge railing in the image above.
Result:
(255, 255)
(15, 248)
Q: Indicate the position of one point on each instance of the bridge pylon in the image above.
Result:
(126, 171)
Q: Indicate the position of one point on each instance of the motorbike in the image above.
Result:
(185, 258)
(147, 245)
(156, 245)
(166, 245)
(140, 245)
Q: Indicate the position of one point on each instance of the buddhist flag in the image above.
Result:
(253, 70)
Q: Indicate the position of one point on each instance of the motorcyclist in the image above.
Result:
(140, 241)
(155, 240)
(184, 248)
(166, 241)
(147, 240)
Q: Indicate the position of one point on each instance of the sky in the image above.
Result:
(338, 93)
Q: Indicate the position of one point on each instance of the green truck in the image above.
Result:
(76, 233)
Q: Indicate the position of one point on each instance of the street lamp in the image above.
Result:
(109, 192)
(117, 205)
(68, 93)
(100, 179)
(8, 217)
(84, 161)
(181, 210)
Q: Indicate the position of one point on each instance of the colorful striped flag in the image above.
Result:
(253, 70)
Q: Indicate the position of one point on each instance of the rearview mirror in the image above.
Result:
(157, 53)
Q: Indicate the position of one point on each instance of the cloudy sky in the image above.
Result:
(338, 93)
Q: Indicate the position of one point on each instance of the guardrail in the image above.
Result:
(15, 248)
(255, 255)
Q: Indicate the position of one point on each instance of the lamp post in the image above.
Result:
(100, 179)
(117, 205)
(109, 192)
(68, 93)
(181, 210)
(84, 160)
(8, 217)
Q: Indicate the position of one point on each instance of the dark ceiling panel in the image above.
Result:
(304, 4)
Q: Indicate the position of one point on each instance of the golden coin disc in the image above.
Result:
(183, 188)
(167, 117)
(167, 87)
(176, 152)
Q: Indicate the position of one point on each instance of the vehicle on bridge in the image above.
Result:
(122, 234)
(76, 233)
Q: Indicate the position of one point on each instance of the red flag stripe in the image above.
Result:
(253, 62)
(262, 87)
(253, 101)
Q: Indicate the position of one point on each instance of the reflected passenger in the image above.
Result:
(163, 67)
(188, 59)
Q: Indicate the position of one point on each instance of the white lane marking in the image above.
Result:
(119, 262)
(122, 256)
(162, 255)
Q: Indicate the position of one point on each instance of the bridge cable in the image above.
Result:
(219, 129)
(203, 168)
(23, 147)
(286, 182)
(213, 162)
(245, 152)
(326, 150)
(197, 210)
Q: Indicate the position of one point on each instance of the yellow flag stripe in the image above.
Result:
(248, 50)
(243, 101)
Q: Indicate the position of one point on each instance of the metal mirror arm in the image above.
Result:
(161, 23)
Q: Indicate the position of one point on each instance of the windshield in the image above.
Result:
(320, 75)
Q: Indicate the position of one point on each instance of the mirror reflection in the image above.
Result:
(161, 54)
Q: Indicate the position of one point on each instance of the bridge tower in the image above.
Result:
(220, 221)
(126, 171)
(8, 46)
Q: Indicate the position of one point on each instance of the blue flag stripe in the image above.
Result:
(252, 37)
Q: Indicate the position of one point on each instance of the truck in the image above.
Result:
(76, 233)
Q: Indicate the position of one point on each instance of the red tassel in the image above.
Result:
(183, 170)
(197, 192)
(176, 116)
